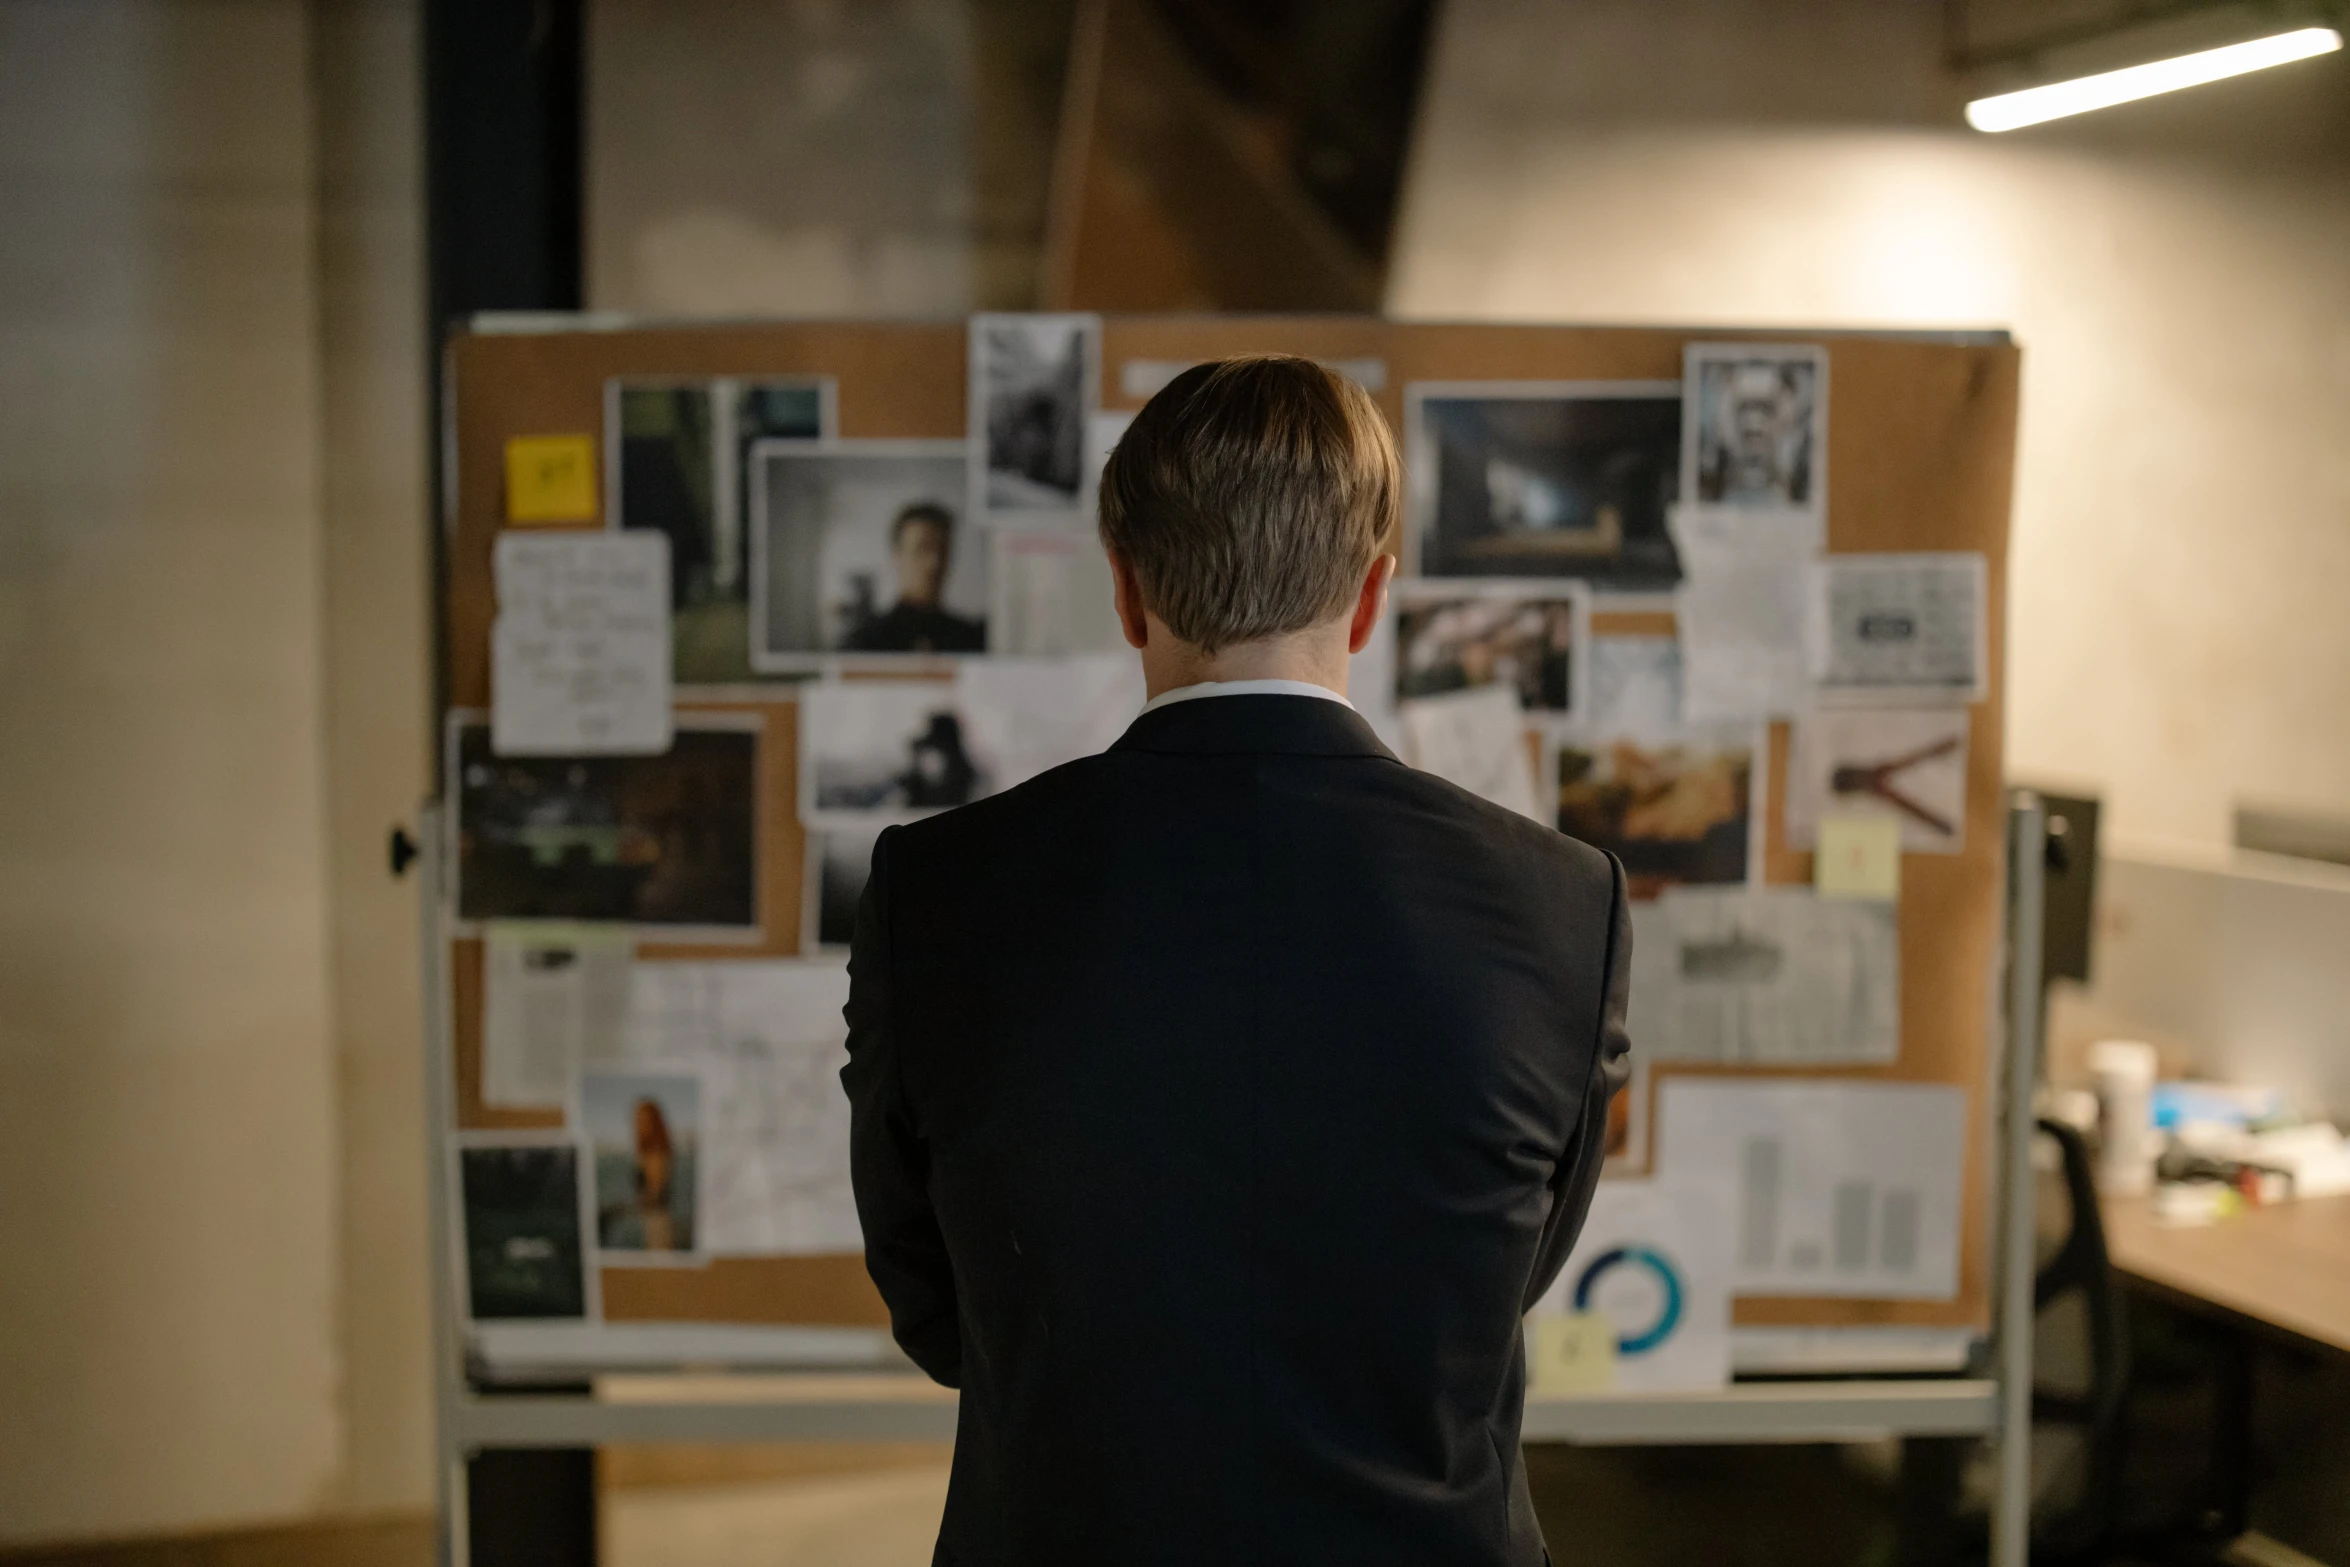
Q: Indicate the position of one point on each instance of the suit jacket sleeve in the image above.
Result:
(1611, 1064)
(889, 1160)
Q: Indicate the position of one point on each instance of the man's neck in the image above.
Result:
(1313, 657)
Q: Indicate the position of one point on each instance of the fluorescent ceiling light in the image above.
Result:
(2058, 99)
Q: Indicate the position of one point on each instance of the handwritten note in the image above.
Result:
(579, 658)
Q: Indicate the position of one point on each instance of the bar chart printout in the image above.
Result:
(1842, 1189)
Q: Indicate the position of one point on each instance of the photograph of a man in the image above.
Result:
(864, 550)
(921, 542)
(1221, 1102)
(1757, 428)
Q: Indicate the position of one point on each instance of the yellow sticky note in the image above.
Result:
(1573, 1352)
(551, 478)
(1859, 856)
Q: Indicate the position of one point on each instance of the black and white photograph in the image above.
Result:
(862, 552)
(1757, 429)
(678, 456)
(644, 1131)
(839, 861)
(874, 752)
(1034, 381)
(525, 1235)
(1545, 479)
(1527, 636)
(667, 841)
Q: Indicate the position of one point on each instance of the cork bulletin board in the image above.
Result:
(1921, 432)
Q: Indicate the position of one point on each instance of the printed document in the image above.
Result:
(1776, 976)
(1900, 629)
(768, 1041)
(1843, 1189)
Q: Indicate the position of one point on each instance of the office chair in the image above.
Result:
(2084, 1531)
(2080, 1529)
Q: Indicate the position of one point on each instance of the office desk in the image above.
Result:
(2284, 1269)
(2275, 1273)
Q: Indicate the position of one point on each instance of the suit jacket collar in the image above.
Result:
(1241, 725)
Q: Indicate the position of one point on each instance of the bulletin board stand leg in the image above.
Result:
(1926, 1496)
(499, 1506)
(531, 1507)
(2027, 872)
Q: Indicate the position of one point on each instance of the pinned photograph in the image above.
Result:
(1900, 629)
(644, 1131)
(668, 842)
(1909, 765)
(1626, 1150)
(1457, 636)
(874, 752)
(1756, 435)
(839, 861)
(1034, 381)
(1545, 479)
(860, 551)
(525, 1229)
(1677, 812)
(678, 456)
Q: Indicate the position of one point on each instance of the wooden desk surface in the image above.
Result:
(2287, 1265)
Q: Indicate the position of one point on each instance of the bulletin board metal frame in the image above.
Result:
(1923, 429)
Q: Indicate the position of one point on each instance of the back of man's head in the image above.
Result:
(1250, 497)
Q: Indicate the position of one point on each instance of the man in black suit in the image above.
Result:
(1223, 1101)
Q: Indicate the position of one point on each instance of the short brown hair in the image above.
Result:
(1250, 496)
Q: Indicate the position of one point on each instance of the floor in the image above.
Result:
(1658, 1507)
(889, 1519)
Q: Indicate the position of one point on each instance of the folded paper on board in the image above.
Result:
(1477, 739)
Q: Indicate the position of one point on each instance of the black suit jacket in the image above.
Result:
(1221, 1103)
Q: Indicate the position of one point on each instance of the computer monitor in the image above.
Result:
(2068, 908)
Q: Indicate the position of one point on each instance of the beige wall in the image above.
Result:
(167, 1095)
(2175, 272)
(212, 707)
(377, 672)
(769, 157)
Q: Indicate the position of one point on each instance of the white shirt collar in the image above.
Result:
(1244, 688)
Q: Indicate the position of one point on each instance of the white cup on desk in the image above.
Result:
(2121, 1072)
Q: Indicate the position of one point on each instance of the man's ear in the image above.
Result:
(1370, 603)
(1131, 618)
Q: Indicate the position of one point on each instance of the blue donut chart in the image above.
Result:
(1635, 1257)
